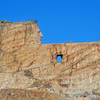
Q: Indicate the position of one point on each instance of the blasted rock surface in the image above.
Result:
(29, 70)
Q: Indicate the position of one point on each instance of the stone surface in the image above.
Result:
(29, 70)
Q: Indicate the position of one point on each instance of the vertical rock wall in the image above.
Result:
(29, 70)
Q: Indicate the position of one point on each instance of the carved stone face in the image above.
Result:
(38, 33)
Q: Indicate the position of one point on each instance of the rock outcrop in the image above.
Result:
(29, 70)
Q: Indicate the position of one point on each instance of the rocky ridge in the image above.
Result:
(29, 70)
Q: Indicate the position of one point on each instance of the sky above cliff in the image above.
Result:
(60, 21)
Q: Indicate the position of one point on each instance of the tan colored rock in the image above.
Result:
(15, 35)
(27, 65)
(19, 94)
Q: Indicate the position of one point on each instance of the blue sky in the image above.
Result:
(60, 21)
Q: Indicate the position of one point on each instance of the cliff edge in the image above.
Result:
(30, 70)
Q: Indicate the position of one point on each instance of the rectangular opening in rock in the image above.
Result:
(59, 58)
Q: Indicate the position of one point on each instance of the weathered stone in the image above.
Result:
(29, 70)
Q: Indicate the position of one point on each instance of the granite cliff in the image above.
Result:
(29, 70)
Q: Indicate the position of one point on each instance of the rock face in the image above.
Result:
(30, 70)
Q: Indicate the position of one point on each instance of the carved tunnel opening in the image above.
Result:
(59, 58)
